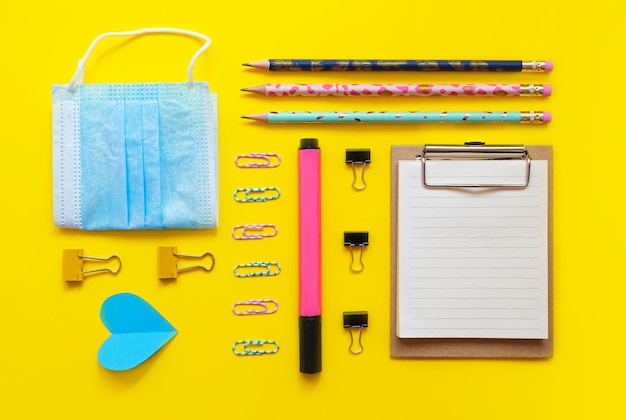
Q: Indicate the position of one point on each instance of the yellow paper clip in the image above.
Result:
(168, 257)
(73, 260)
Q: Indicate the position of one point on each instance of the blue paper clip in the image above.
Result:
(256, 194)
(259, 347)
(266, 272)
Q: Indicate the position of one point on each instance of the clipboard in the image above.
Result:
(467, 347)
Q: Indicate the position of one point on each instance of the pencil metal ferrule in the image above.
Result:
(531, 90)
(532, 117)
(533, 66)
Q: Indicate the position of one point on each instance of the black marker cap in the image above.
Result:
(311, 344)
(309, 144)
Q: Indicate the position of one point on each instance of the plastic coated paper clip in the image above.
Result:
(271, 268)
(257, 160)
(73, 261)
(355, 320)
(254, 231)
(248, 195)
(356, 157)
(357, 241)
(255, 347)
(168, 257)
(255, 307)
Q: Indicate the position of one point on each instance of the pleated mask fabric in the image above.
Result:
(137, 155)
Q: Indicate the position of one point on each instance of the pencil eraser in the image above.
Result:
(547, 90)
(549, 65)
(547, 117)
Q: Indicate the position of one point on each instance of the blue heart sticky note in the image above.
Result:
(137, 331)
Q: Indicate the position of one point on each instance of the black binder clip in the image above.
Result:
(356, 240)
(358, 157)
(355, 320)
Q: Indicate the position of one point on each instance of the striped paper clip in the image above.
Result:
(247, 195)
(271, 268)
(255, 307)
(259, 231)
(257, 160)
(255, 347)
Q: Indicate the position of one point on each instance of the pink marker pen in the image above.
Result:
(310, 252)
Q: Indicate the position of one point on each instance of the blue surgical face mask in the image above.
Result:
(135, 156)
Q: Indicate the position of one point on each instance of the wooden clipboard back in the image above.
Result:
(465, 347)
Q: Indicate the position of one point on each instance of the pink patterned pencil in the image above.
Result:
(422, 89)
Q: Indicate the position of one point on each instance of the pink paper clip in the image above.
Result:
(255, 307)
(258, 231)
(257, 160)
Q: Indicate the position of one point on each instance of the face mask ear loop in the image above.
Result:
(80, 69)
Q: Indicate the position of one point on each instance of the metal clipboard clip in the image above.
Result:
(476, 152)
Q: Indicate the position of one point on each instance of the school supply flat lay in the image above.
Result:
(471, 223)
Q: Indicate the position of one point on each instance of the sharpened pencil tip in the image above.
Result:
(247, 64)
(255, 117)
(245, 89)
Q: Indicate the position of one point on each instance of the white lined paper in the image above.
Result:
(472, 263)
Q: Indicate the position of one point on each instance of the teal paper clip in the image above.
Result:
(270, 268)
(255, 347)
(247, 195)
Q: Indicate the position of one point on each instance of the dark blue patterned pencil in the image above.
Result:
(403, 65)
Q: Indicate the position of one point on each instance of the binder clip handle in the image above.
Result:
(73, 260)
(354, 320)
(356, 240)
(360, 157)
(168, 257)
(113, 257)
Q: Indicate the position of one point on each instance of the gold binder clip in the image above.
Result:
(168, 257)
(73, 261)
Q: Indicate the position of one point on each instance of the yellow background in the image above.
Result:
(51, 331)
